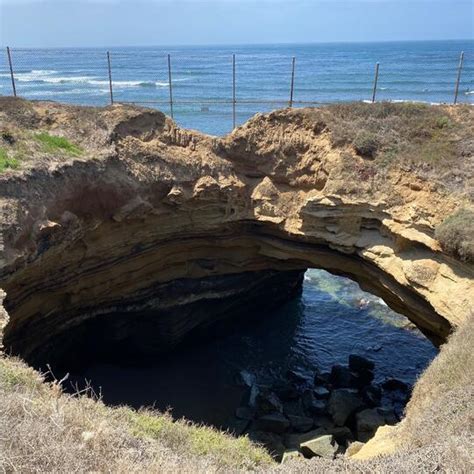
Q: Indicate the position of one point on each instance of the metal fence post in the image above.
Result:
(11, 70)
(170, 85)
(292, 87)
(233, 92)
(458, 80)
(110, 79)
(376, 79)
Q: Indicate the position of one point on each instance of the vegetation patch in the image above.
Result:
(53, 143)
(45, 430)
(456, 234)
(366, 144)
(7, 162)
(200, 440)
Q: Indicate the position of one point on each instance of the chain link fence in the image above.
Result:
(214, 90)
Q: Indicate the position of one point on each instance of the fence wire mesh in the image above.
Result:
(203, 81)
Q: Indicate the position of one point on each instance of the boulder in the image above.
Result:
(290, 454)
(294, 440)
(367, 422)
(294, 377)
(321, 393)
(324, 421)
(361, 378)
(342, 434)
(372, 395)
(389, 415)
(322, 378)
(322, 446)
(340, 377)
(293, 407)
(395, 384)
(301, 424)
(250, 397)
(238, 426)
(342, 404)
(312, 405)
(245, 413)
(273, 423)
(268, 402)
(357, 363)
(245, 378)
(270, 441)
(287, 392)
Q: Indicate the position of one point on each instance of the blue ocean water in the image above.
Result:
(202, 76)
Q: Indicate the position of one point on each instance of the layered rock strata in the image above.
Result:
(149, 219)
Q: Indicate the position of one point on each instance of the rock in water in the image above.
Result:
(273, 422)
(245, 413)
(300, 424)
(340, 377)
(342, 404)
(395, 384)
(323, 446)
(357, 362)
(321, 393)
(268, 402)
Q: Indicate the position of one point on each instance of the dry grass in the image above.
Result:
(432, 141)
(456, 234)
(42, 429)
(45, 430)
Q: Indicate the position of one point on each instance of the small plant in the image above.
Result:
(52, 143)
(443, 122)
(456, 234)
(366, 144)
(6, 162)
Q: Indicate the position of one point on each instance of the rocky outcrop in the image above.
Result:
(150, 218)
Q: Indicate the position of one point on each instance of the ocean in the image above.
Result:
(202, 76)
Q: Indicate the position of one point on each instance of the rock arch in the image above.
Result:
(156, 222)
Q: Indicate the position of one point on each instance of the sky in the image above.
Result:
(54, 23)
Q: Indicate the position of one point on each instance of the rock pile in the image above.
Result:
(340, 408)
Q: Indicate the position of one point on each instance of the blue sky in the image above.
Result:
(49, 23)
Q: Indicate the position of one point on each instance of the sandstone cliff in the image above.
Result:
(129, 206)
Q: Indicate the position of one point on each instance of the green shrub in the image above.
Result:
(52, 143)
(6, 162)
(366, 144)
(456, 234)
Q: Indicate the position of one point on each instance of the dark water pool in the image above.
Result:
(330, 320)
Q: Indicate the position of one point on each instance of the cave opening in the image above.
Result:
(286, 358)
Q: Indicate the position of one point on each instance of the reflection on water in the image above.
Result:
(330, 320)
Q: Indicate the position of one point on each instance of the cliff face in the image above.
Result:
(142, 218)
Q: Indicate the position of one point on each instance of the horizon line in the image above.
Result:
(200, 45)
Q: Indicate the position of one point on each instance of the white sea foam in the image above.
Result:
(48, 77)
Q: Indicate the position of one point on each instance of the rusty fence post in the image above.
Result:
(292, 86)
(376, 79)
(110, 79)
(11, 70)
(233, 93)
(458, 80)
(170, 85)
